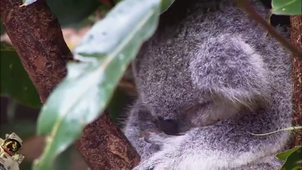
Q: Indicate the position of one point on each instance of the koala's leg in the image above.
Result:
(139, 126)
(222, 146)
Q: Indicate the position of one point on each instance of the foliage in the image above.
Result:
(292, 158)
(105, 53)
(28, 2)
(287, 7)
(72, 11)
(14, 80)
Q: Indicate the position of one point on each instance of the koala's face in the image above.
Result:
(168, 91)
(170, 96)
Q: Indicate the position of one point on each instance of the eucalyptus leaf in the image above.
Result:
(287, 7)
(28, 2)
(165, 4)
(73, 12)
(292, 158)
(15, 81)
(104, 53)
(283, 156)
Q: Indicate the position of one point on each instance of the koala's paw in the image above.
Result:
(159, 161)
(156, 138)
(168, 158)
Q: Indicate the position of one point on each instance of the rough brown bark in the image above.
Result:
(93, 141)
(36, 34)
(296, 37)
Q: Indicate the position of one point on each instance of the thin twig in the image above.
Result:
(245, 5)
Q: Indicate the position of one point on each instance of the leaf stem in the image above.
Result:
(280, 130)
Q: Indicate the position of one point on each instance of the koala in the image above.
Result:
(208, 78)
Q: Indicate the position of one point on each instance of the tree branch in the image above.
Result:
(101, 137)
(37, 38)
(36, 34)
(245, 5)
(296, 37)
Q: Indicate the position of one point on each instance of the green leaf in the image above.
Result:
(292, 157)
(14, 80)
(287, 7)
(105, 53)
(27, 2)
(165, 4)
(70, 12)
(283, 156)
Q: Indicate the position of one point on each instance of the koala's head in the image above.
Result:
(180, 93)
(168, 92)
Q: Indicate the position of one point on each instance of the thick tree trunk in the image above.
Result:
(296, 37)
(37, 37)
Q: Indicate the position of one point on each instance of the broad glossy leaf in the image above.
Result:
(105, 53)
(14, 80)
(293, 158)
(287, 7)
(70, 12)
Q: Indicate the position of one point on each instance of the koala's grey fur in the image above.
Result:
(208, 77)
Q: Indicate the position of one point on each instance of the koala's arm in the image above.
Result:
(231, 71)
(139, 125)
(216, 147)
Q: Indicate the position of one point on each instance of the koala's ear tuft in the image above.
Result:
(229, 68)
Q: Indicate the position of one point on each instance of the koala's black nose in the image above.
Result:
(169, 126)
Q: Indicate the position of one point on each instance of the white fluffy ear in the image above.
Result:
(229, 68)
